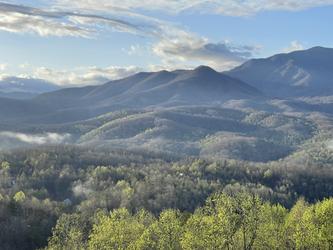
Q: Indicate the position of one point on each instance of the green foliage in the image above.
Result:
(69, 233)
(271, 233)
(225, 222)
(164, 233)
(238, 221)
(120, 230)
(4, 165)
(311, 226)
(19, 196)
(41, 185)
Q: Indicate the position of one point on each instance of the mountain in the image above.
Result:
(201, 86)
(12, 110)
(24, 88)
(300, 73)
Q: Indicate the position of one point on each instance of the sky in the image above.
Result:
(86, 42)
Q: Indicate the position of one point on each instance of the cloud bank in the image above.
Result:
(84, 75)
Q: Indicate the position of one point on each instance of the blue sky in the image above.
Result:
(89, 42)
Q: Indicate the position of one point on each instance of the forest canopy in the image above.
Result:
(42, 189)
(241, 221)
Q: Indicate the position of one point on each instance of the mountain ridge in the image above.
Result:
(299, 73)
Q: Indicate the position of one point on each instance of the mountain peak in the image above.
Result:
(319, 48)
(204, 69)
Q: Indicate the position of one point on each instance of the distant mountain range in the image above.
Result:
(300, 73)
(24, 88)
(305, 73)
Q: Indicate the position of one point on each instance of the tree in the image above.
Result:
(296, 229)
(271, 231)
(205, 231)
(323, 222)
(165, 233)
(225, 222)
(19, 197)
(120, 230)
(70, 232)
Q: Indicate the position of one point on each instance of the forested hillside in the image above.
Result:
(70, 184)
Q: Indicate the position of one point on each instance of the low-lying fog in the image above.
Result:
(13, 139)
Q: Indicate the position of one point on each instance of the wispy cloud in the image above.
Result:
(19, 18)
(37, 139)
(22, 19)
(224, 7)
(252, 7)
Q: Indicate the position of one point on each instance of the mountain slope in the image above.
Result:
(300, 73)
(18, 95)
(15, 110)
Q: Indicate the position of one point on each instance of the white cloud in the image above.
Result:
(187, 47)
(84, 75)
(3, 66)
(37, 139)
(294, 46)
